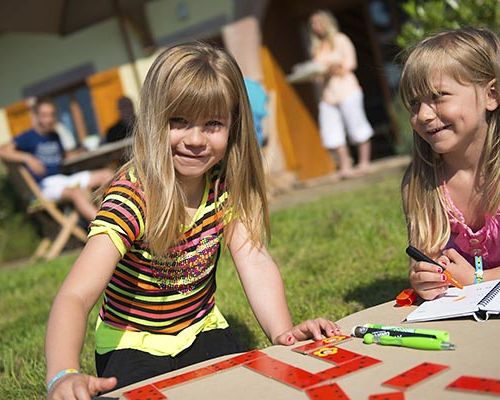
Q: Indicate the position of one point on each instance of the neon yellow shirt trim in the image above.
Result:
(109, 338)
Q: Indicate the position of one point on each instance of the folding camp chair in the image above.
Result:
(57, 226)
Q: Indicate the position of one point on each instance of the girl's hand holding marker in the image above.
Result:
(417, 255)
(428, 277)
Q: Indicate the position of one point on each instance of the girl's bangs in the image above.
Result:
(199, 96)
(419, 74)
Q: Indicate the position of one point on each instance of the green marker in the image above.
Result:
(443, 335)
(421, 343)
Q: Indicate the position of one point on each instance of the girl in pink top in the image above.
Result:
(341, 109)
(451, 193)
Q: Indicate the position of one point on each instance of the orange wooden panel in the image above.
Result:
(297, 129)
(105, 89)
(18, 117)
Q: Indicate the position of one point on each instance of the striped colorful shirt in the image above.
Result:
(160, 297)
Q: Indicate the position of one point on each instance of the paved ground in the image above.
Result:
(324, 186)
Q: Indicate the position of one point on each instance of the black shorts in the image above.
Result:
(130, 366)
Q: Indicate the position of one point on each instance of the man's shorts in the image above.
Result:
(349, 115)
(53, 186)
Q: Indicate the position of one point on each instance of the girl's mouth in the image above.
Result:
(436, 130)
(191, 157)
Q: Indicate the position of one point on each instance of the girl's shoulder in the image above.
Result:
(128, 174)
(127, 181)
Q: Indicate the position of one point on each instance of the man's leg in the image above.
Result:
(81, 200)
(73, 188)
(99, 177)
(79, 187)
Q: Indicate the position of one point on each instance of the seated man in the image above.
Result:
(125, 125)
(40, 149)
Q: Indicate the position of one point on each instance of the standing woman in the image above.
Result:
(341, 109)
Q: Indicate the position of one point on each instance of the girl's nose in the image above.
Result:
(425, 112)
(194, 137)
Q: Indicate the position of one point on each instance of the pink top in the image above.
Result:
(485, 242)
(339, 87)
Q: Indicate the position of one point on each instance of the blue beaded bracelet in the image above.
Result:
(59, 375)
(478, 274)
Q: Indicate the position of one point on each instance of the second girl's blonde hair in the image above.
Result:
(470, 56)
(196, 80)
(331, 26)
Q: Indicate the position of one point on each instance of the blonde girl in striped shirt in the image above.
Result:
(195, 178)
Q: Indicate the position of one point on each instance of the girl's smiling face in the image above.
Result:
(453, 117)
(197, 145)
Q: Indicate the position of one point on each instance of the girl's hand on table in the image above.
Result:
(80, 387)
(315, 329)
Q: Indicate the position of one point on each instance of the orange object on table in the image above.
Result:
(406, 298)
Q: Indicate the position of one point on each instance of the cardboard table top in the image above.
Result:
(477, 353)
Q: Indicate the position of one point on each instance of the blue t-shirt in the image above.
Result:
(47, 148)
(258, 103)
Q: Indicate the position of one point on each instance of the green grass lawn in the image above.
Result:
(337, 255)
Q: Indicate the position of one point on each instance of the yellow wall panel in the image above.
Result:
(18, 117)
(297, 130)
(105, 88)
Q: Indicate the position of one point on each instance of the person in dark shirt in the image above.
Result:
(123, 128)
(40, 149)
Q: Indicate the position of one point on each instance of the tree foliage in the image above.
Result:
(428, 16)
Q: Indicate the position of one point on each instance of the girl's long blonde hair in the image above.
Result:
(332, 28)
(196, 80)
(470, 56)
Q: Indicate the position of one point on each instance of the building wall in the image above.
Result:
(168, 17)
(29, 58)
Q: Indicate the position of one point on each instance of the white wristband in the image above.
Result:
(59, 375)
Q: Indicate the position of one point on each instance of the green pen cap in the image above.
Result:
(369, 338)
(443, 335)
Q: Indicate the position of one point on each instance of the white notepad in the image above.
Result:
(479, 301)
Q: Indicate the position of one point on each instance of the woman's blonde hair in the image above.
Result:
(196, 80)
(470, 56)
(331, 26)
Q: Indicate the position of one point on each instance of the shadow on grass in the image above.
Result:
(244, 336)
(377, 292)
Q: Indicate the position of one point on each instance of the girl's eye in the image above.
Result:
(214, 123)
(439, 96)
(414, 105)
(177, 122)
